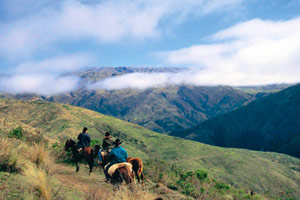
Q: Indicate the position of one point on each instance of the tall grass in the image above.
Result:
(39, 180)
(32, 161)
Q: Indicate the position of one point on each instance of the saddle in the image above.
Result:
(114, 167)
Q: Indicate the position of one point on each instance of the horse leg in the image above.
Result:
(142, 176)
(133, 177)
(77, 166)
(91, 167)
(137, 175)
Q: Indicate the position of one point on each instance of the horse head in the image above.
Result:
(97, 148)
(129, 158)
(69, 143)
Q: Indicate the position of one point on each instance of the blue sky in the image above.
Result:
(221, 38)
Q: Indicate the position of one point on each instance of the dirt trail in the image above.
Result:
(81, 181)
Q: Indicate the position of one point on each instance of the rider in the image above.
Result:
(117, 155)
(107, 145)
(84, 139)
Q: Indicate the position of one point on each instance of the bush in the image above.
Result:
(16, 133)
(222, 186)
(201, 174)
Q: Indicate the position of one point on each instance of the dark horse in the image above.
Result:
(87, 153)
(122, 173)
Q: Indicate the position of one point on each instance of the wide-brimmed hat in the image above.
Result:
(117, 142)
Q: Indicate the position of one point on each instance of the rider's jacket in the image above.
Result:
(117, 155)
(84, 140)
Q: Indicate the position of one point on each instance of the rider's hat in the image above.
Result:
(117, 142)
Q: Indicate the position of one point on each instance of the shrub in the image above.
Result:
(201, 174)
(9, 159)
(16, 133)
(222, 186)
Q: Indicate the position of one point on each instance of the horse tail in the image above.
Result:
(140, 167)
(125, 173)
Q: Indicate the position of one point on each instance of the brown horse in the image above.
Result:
(87, 153)
(122, 173)
(137, 167)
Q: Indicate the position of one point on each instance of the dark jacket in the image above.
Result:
(107, 143)
(117, 155)
(84, 140)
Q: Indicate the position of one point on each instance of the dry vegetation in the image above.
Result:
(29, 172)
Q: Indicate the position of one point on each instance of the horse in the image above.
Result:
(137, 167)
(87, 153)
(121, 173)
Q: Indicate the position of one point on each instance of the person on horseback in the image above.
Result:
(84, 139)
(107, 145)
(117, 155)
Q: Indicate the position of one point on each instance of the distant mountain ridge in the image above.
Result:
(163, 109)
(93, 74)
(271, 123)
(160, 109)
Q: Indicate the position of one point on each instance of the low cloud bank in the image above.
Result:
(43, 84)
(191, 77)
(143, 81)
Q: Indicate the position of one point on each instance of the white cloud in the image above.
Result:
(148, 80)
(43, 84)
(44, 77)
(58, 64)
(105, 21)
(250, 53)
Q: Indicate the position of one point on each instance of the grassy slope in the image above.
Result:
(165, 109)
(270, 123)
(259, 171)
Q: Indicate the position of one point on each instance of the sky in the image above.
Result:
(228, 42)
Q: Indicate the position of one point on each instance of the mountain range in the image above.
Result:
(271, 123)
(163, 109)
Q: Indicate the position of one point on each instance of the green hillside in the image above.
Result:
(160, 109)
(271, 123)
(259, 171)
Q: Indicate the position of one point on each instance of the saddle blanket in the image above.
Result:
(114, 167)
